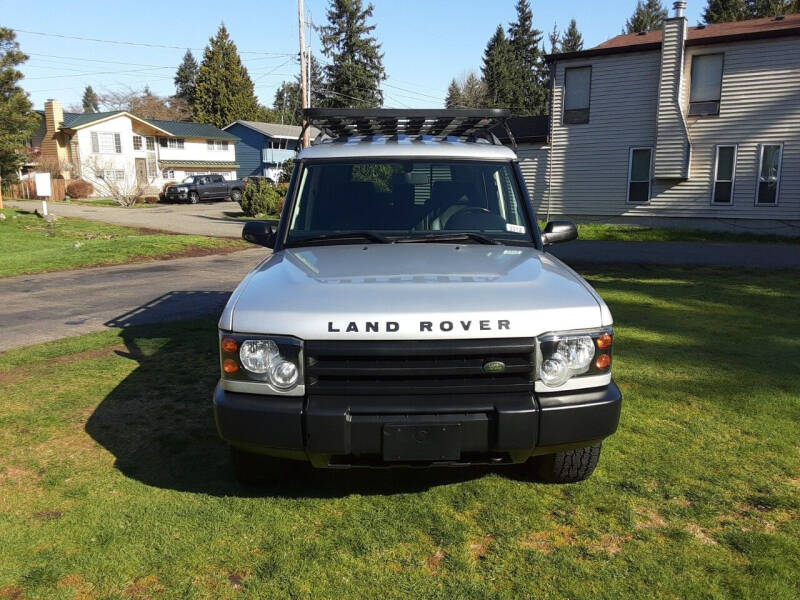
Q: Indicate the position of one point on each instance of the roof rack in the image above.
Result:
(441, 123)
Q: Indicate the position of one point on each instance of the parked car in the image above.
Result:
(409, 314)
(205, 187)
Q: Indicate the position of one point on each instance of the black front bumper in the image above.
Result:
(339, 430)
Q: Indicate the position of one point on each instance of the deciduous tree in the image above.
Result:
(17, 119)
(223, 90)
(355, 71)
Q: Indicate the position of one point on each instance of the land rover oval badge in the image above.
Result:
(494, 366)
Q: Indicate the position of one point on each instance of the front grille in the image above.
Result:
(419, 367)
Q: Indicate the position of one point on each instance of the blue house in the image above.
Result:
(264, 147)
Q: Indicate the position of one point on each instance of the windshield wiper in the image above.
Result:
(448, 237)
(347, 235)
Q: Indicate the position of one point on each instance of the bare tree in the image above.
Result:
(115, 183)
(145, 104)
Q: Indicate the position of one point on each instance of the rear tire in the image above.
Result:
(194, 198)
(254, 469)
(236, 195)
(569, 466)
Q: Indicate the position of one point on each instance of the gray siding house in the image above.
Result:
(694, 126)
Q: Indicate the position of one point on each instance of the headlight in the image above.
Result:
(182, 190)
(569, 354)
(274, 361)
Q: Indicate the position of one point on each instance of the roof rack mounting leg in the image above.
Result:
(510, 134)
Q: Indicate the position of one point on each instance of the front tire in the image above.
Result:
(569, 466)
(193, 198)
(255, 469)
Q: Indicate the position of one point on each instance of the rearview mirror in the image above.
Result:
(559, 231)
(260, 232)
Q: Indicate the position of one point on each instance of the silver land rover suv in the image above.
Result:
(409, 313)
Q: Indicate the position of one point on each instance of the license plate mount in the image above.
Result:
(421, 442)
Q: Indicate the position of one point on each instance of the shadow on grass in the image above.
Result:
(159, 425)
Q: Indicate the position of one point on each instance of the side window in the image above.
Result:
(137, 142)
(577, 94)
(639, 169)
(769, 173)
(706, 87)
(724, 174)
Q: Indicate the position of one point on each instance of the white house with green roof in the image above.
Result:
(132, 152)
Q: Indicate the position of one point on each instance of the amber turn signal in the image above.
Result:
(229, 366)
(602, 361)
(604, 341)
(229, 345)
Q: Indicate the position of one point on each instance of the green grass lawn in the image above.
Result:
(29, 244)
(113, 483)
(85, 202)
(635, 233)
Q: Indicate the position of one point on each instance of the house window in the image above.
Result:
(769, 174)
(114, 175)
(168, 174)
(104, 142)
(706, 85)
(577, 94)
(724, 174)
(217, 145)
(137, 142)
(639, 169)
(150, 142)
(171, 143)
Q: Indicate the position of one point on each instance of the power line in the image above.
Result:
(142, 44)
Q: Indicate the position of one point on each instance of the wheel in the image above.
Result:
(236, 195)
(253, 469)
(193, 198)
(569, 466)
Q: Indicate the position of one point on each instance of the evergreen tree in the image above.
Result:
(772, 8)
(355, 72)
(496, 70)
(473, 92)
(223, 90)
(185, 78)
(527, 71)
(555, 40)
(454, 98)
(647, 16)
(287, 104)
(17, 121)
(90, 100)
(572, 41)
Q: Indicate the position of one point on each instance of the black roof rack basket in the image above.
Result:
(366, 122)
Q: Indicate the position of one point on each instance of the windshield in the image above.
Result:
(409, 199)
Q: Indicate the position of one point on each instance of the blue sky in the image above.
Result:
(425, 43)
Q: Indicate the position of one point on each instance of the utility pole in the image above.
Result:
(303, 70)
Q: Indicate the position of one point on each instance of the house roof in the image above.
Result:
(200, 164)
(185, 129)
(276, 130)
(716, 33)
(524, 129)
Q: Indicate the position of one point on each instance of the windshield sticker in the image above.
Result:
(515, 228)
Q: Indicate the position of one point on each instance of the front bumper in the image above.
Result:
(352, 431)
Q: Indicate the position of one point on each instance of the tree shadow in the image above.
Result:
(158, 422)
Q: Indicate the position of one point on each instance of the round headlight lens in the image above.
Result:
(555, 370)
(578, 351)
(258, 355)
(283, 374)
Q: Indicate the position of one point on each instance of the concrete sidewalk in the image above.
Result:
(50, 306)
(709, 254)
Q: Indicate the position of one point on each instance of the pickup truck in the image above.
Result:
(205, 187)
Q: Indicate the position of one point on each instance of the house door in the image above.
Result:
(141, 171)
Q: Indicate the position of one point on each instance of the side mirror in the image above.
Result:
(559, 231)
(260, 232)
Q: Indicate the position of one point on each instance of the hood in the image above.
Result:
(412, 291)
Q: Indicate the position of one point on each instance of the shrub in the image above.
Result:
(151, 199)
(282, 188)
(286, 171)
(78, 188)
(162, 196)
(261, 199)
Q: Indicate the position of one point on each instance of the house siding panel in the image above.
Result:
(248, 150)
(760, 103)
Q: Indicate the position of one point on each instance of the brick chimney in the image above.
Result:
(54, 143)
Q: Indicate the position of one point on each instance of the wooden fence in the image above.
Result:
(27, 189)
